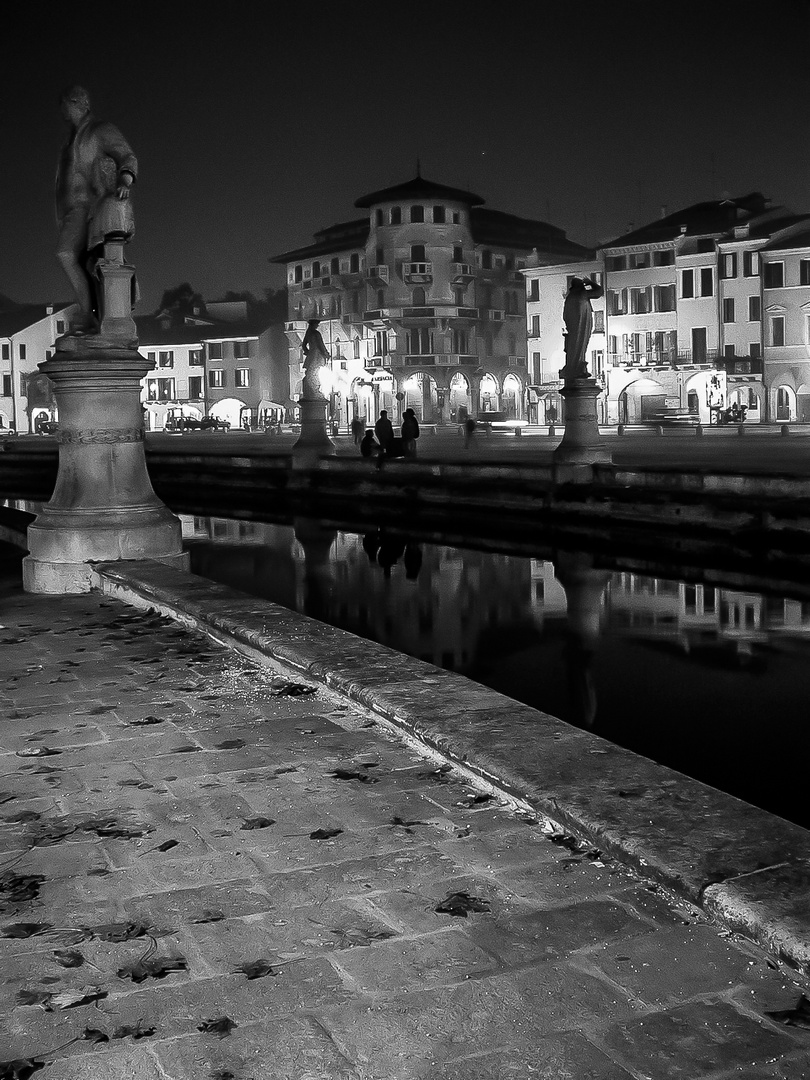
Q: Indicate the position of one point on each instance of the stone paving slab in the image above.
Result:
(277, 955)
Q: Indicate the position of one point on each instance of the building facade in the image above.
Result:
(682, 330)
(27, 336)
(213, 361)
(786, 323)
(422, 305)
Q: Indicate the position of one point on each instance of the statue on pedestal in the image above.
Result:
(93, 179)
(315, 359)
(578, 319)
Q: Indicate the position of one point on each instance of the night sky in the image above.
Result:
(255, 124)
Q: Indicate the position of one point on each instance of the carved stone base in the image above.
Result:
(581, 443)
(103, 507)
(313, 442)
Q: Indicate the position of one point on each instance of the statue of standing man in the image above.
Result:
(96, 170)
(578, 319)
(315, 358)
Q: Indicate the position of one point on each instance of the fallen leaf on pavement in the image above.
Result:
(20, 1068)
(294, 690)
(231, 744)
(351, 774)
(459, 904)
(257, 823)
(94, 1035)
(324, 834)
(221, 1026)
(68, 958)
(209, 916)
(158, 968)
(136, 1032)
(257, 969)
(146, 721)
(70, 999)
(124, 931)
(24, 929)
(38, 751)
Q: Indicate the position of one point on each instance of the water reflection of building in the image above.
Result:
(462, 603)
(663, 609)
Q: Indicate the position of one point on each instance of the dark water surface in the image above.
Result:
(712, 681)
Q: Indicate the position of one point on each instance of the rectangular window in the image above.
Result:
(777, 330)
(754, 309)
(615, 262)
(242, 377)
(664, 297)
(750, 263)
(7, 386)
(755, 350)
(699, 344)
(458, 253)
(804, 271)
(537, 366)
(535, 326)
(728, 310)
(241, 349)
(728, 352)
(417, 214)
(663, 258)
(298, 273)
(687, 284)
(420, 341)
(195, 387)
(195, 358)
(730, 265)
(152, 389)
(396, 215)
(6, 351)
(640, 260)
(216, 379)
(774, 275)
(417, 252)
(534, 289)
(439, 215)
(23, 352)
(215, 351)
(640, 301)
(381, 343)
(599, 322)
(60, 326)
(166, 359)
(617, 301)
(379, 256)
(166, 389)
(706, 281)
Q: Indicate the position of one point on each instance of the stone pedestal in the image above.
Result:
(103, 507)
(581, 442)
(313, 442)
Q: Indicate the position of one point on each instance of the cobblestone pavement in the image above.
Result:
(204, 874)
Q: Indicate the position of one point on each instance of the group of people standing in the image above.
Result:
(383, 441)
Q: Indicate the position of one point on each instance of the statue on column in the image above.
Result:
(578, 319)
(96, 170)
(315, 359)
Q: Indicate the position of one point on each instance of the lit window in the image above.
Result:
(195, 358)
(242, 377)
(166, 359)
(216, 379)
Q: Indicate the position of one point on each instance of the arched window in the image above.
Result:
(419, 297)
(439, 215)
(396, 215)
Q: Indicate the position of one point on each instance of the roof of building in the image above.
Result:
(795, 240)
(419, 188)
(506, 230)
(154, 331)
(701, 219)
(19, 317)
(344, 236)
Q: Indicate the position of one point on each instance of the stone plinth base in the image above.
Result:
(103, 507)
(313, 442)
(61, 578)
(581, 443)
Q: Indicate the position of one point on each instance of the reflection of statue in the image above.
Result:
(95, 172)
(578, 319)
(315, 358)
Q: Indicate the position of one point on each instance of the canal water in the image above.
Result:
(708, 680)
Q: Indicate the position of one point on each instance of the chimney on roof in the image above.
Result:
(49, 309)
(663, 210)
(683, 230)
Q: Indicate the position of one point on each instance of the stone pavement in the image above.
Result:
(207, 874)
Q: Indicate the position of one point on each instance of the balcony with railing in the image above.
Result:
(377, 275)
(672, 358)
(461, 273)
(417, 272)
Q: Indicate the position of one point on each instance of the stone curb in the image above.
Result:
(747, 867)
